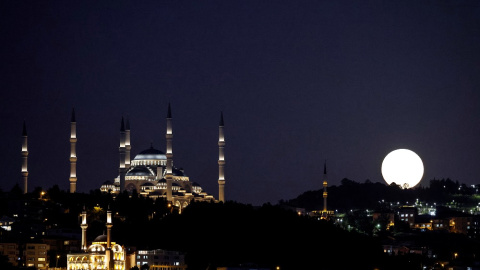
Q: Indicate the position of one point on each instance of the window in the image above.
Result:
(40, 265)
(411, 215)
(66, 243)
(41, 259)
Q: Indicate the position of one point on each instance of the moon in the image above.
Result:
(404, 167)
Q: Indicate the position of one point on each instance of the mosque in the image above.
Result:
(151, 173)
(103, 253)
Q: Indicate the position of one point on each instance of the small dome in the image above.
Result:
(101, 238)
(150, 154)
(177, 172)
(140, 171)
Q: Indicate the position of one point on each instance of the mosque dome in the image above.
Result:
(140, 171)
(101, 238)
(150, 154)
(177, 172)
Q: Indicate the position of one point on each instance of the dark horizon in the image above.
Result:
(298, 83)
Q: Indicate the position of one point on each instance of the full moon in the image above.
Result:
(403, 167)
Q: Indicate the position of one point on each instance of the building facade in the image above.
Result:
(160, 259)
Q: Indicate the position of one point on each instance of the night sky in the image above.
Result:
(299, 82)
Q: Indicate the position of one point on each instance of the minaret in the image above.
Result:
(221, 161)
(108, 252)
(84, 227)
(128, 147)
(169, 154)
(325, 187)
(109, 228)
(73, 154)
(24, 158)
(122, 169)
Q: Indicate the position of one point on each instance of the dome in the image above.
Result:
(101, 238)
(150, 154)
(177, 172)
(140, 171)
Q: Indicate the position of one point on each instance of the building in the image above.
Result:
(408, 214)
(468, 225)
(160, 259)
(36, 255)
(103, 253)
(28, 255)
(6, 223)
(152, 173)
(12, 251)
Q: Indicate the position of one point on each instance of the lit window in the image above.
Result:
(41, 259)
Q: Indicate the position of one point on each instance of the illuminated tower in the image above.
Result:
(169, 154)
(24, 158)
(109, 228)
(122, 169)
(325, 187)
(221, 160)
(84, 227)
(108, 251)
(128, 147)
(73, 153)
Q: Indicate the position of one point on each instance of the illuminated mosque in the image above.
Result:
(103, 253)
(151, 173)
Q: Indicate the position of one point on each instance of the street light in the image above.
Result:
(56, 265)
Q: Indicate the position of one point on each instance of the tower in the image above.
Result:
(122, 169)
(108, 251)
(24, 158)
(221, 160)
(73, 153)
(84, 227)
(109, 228)
(325, 187)
(169, 154)
(128, 147)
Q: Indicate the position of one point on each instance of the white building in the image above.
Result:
(160, 259)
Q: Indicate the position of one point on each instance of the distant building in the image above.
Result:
(159, 259)
(6, 223)
(408, 214)
(468, 225)
(28, 255)
(36, 255)
(152, 173)
(12, 251)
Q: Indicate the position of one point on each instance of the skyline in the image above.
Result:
(298, 83)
